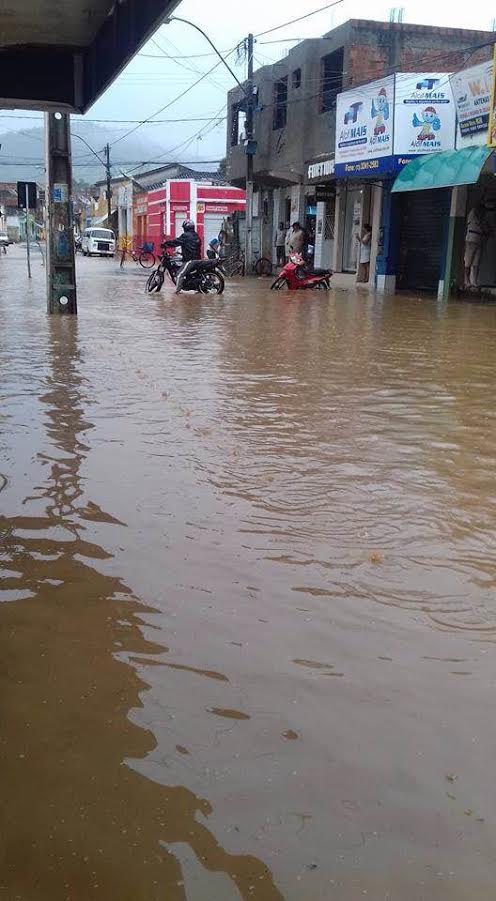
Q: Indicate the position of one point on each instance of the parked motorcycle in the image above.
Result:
(205, 277)
(294, 276)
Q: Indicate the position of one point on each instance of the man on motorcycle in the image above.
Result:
(190, 244)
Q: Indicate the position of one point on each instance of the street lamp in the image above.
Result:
(250, 144)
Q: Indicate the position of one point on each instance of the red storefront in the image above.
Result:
(161, 212)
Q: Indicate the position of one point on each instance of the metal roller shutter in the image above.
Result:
(424, 217)
(212, 224)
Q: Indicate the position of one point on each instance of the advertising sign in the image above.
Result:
(364, 128)
(472, 95)
(491, 139)
(321, 170)
(424, 115)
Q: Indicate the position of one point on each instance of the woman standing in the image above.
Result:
(365, 240)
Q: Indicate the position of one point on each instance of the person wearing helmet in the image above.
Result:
(190, 245)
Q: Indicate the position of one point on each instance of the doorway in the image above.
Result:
(424, 217)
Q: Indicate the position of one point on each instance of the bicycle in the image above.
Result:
(234, 264)
(145, 258)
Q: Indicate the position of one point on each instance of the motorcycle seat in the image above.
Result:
(319, 272)
(207, 264)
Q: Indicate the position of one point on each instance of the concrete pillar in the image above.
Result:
(453, 273)
(319, 234)
(388, 243)
(60, 267)
(297, 204)
(277, 215)
(376, 228)
(339, 216)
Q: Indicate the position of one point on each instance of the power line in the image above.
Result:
(75, 135)
(299, 19)
(185, 144)
(181, 64)
(222, 58)
(109, 121)
(39, 164)
(167, 105)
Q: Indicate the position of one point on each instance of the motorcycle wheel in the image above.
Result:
(280, 284)
(322, 285)
(147, 259)
(154, 282)
(211, 283)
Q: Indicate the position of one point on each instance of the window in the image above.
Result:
(331, 79)
(280, 113)
(296, 79)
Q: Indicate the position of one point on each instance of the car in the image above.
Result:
(99, 241)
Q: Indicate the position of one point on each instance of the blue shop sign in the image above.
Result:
(385, 167)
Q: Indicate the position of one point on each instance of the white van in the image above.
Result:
(98, 240)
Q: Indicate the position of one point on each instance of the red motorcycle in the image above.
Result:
(294, 276)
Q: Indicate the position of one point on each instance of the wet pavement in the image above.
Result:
(248, 566)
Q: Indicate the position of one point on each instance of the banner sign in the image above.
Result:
(424, 115)
(321, 170)
(472, 95)
(491, 138)
(364, 128)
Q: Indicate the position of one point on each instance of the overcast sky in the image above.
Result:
(152, 80)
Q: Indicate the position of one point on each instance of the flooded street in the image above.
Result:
(248, 565)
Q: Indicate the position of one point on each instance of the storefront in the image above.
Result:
(446, 202)
(423, 233)
(482, 196)
(380, 127)
(320, 211)
(208, 205)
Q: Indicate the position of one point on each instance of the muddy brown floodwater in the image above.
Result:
(248, 568)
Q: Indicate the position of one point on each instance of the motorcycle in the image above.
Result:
(295, 276)
(205, 276)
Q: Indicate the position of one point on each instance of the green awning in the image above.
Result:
(442, 170)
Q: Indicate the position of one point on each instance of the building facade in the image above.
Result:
(295, 130)
(153, 205)
(160, 212)
(13, 220)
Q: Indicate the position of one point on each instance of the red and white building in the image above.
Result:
(159, 212)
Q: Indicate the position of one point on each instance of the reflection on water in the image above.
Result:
(247, 546)
(75, 820)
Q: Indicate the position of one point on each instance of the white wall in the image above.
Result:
(297, 203)
(324, 247)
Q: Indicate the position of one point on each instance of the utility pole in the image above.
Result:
(250, 149)
(60, 266)
(28, 247)
(109, 182)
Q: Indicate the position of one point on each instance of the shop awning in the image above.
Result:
(443, 170)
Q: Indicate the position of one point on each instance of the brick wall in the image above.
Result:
(381, 47)
(371, 50)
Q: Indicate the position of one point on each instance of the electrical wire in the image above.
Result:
(110, 121)
(185, 144)
(167, 105)
(299, 19)
(182, 65)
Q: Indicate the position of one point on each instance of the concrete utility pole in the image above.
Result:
(249, 159)
(28, 247)
(109, 182)
(61, 267)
